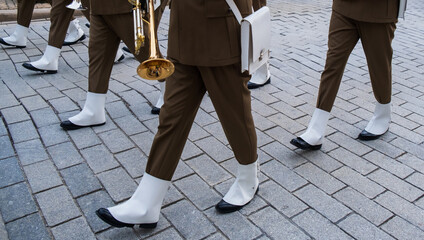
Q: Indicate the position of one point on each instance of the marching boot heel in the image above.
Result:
(148, 225)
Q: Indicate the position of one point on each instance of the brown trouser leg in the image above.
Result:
(25, 10)
(376, 41)
(60, 16)
(184, 92)
(343, 35)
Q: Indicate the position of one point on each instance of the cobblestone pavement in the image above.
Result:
(52, 181)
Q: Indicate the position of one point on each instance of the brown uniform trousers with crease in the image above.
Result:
(204, 44)
(110, 22)
(374, 22)
(60, 16)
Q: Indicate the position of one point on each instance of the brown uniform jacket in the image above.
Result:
(109, 7)
(205, 32)
(376, 11)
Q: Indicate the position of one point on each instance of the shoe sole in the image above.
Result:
(296, 144)
(71, 43)
(236, 208)
(121, 224)
(254, 85)
(30, 67)
(75, 127)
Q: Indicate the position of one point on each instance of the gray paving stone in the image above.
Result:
(44, 117)
(323, 203)
(10, 172)
(30, 227)
(216, 150)
(84, 138)
(170, 233)
(6, 149)
(396, 185)
(321, 160)
(389, 164)
(197, 132)
(8, 100)
(207, 169)
(118, 184)
(63, 104)
(116, 141)
(281, 199)
(319, 227)
(42, 176)
(117, 109)
(134, 161)
(99, 158)
(110, 125)
(80, 180)
(65, 155)
(144, 141)
(130, 125)
(23, 131)
(15, 202)
(49, 93)
(402, 208)
(198, 191)
(203, 118)
(358, 182)
(234, 226)
(3, 130)
(283, 155)
(57, 206)
(416, 179)
(15, 114)
(188, 221)
(360, 228)
(362, 166)
(31, 151)
(117, 233)
(283, 176)
(402, 229)
(190, 151)
(367, 208)
(52, 135)
(413, 162)
(33, 103)
(74, 229)
(319, 178)
(172, 195)
(90, 203)
(276, 225)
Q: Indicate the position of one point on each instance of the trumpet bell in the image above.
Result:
(155, 69)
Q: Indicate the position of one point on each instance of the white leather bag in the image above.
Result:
(255, 37)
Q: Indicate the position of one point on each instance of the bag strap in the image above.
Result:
(235, 10)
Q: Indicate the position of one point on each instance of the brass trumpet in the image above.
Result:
(156, 67)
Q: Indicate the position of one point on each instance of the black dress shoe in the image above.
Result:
(87, 25)
(155, 110)
(251, 85)
(8, 44)
(300, 143)
(367, 136)
(105, 215)
(224, 207)
(30, 67)
(68, 125)
(70, 43)
(126, 49)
